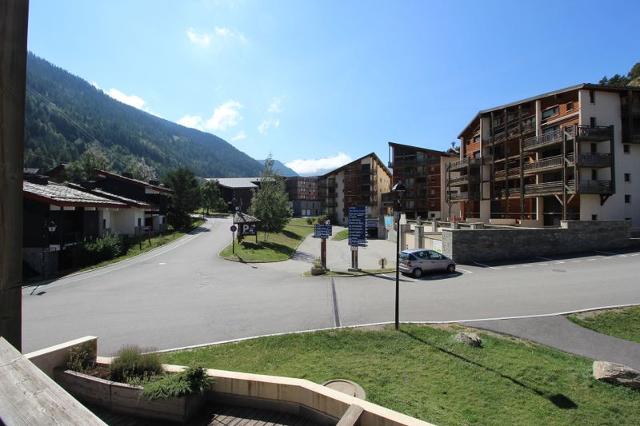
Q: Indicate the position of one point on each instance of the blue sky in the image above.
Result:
(329, 81)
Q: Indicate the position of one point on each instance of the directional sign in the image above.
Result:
(233, 228)
(247, 229)
(322, 230)
(357, 227)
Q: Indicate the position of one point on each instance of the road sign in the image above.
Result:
(233, 228)
(323, 231)
(357, 227)
(247, 229)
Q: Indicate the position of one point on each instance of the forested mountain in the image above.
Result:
(632, 78)
(281, 169)
(66, 116)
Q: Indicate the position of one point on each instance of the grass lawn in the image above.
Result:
(342, 235)
(623, 322)
(147, 244)
(422, 372)
(279, 246)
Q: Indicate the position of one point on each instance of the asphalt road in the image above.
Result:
(183, 294)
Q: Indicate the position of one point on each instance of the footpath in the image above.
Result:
(560, 333)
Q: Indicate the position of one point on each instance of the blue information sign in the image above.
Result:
(322, 230)
(357, 227)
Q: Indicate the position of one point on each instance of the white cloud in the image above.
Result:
(193, 121)
(306, 167)
(225, 116)
(241, 135)
(132, 100)
(199, 39)
(204, 39)
(275, 107)
(269, 123)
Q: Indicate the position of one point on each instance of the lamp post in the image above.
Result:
(398, 190)
(49, 228)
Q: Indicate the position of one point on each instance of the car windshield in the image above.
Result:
(406, 256)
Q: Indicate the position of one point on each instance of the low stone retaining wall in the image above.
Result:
(284, 394)
(469, 245)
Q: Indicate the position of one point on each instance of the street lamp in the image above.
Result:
(51, 227)
(398, 190)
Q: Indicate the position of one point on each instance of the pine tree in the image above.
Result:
(270, 203)
(185, 198)
(212, 197)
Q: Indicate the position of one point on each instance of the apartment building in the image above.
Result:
(569, 154)
(421, 170)
(303, 195)
(359, 183)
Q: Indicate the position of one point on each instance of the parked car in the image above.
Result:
(418, 261)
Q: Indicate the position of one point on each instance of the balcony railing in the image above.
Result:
(500, 174)
(508, 192)
(594, 160)
(548, 188)
(545, 164)
(595, 187)
(546, 139)
(465, 196)
(459, 164)
(457, 181)
(595, 134)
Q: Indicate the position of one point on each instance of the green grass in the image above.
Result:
(273, 247)
(623, 322)
(144, 245)
(422, 372)
(342, 235)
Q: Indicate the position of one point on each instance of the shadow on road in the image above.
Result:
(559, 400)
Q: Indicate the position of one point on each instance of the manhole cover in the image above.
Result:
(346, 386)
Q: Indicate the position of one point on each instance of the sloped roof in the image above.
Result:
(135, 181)
(373, 155)
(240, 217)
(101, 193)
(62, 195)
(238, 182)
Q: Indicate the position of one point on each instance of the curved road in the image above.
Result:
(183, 294)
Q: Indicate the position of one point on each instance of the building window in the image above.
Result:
(594, 147)
(549, 112)
(592, 121)
(594, 174)
(627, 198)
(592, 96)
(626, 149)
(139, 222)
(569, 106)
(594, 217)
(627, 177)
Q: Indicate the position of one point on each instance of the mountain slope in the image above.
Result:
(280, 168)
(65, 115)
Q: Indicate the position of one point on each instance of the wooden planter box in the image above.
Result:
(128, 399)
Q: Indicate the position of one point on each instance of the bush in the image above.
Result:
(131, 364)
(309, 221)
(101, 249)
(192, 380)
(81, 358)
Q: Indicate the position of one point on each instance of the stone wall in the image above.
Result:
(468, 245)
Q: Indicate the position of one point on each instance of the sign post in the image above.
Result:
(233, 238)
(323, 231)
(357, 233)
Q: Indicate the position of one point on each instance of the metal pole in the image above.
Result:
(13, 63)
(233, 242)
(397, 322)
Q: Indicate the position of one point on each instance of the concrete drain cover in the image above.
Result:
(346, 386)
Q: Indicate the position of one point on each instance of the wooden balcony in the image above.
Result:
(595, 187)
(507, 193)
(464, 163)
(548, 188)
(465, 196)
(547, 164)
(512, 172)
(595, 134)
(547, 139)
(594, 160)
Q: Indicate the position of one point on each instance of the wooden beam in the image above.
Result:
(13, 64)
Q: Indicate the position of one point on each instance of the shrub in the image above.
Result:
(81, 358)
(309, 221)
(101, 249)
(192, 380)
(131, 364)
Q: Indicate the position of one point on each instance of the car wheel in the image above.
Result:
(451, 268)
(417, 273)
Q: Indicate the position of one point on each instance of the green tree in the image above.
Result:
(212, 197)
(94, 157)
(270, 203)
(140, 169)
(185, 199)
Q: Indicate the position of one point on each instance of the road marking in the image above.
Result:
(465, 271)
(559, 262)
(334, 300)
(634, 254)
(592, 260)
(511, 267)
(162, 263)
(486, 266)
(313, 330)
